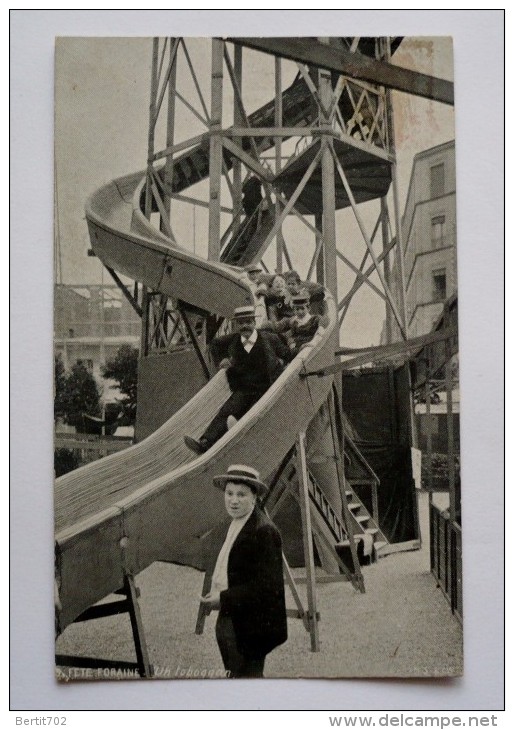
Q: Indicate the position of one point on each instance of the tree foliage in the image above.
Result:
(59, 387)
(122, 368)
(81, 395)
(65, 460)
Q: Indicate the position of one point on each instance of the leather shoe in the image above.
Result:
(199, 447)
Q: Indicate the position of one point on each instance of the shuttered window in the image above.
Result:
(437, 181)
(437, 231)
(439, 285)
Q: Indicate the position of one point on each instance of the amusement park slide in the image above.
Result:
(155, 500)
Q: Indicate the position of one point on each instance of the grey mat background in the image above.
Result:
(479, 92)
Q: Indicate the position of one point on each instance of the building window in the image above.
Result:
(439, 285)
(87, 363)
(437, 231)
(437, 181)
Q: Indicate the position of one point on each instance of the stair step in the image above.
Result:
(349, 493)
(378, 545)
(354, 505)
(372, 530)
(345, 552)
(362, 518)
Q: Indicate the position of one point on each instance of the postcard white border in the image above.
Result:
(479, 93)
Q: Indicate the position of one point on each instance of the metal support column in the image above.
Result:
(387, 269)
(303, 479)
(396, 203)
(449, 416)
(328, 191)
(145, 304)
(320, 263)
(151, 127)
(196, 345)
(216, 150)
(238, 122)
(170, 130)
(278, 157)
(429, 430)
(336, 425)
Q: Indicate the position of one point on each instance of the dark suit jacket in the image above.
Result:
(275, 355)
(255, 598)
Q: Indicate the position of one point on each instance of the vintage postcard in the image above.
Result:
(257, 406)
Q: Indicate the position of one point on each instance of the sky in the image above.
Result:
(102, 94)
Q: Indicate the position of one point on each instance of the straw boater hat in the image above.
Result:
(242, 474)
(302, 297)
(247, 311)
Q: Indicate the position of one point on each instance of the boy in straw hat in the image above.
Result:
(253, 361)
(316, 291)
(302, 326)
(247, 584)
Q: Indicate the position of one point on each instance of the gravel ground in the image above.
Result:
(401, 626)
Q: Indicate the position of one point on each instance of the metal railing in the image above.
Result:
(74, 450)
(77, 329)
(446, 557)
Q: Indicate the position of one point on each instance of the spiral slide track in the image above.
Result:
(155, 500)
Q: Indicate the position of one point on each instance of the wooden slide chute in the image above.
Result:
(127, 242)
(155, 500)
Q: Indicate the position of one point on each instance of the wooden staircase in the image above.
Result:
(360, 477)
(367, 534)
(247, 243)
(369, 538)
(366, 530)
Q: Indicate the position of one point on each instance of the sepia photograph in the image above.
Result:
(256, 359)
(256, 346)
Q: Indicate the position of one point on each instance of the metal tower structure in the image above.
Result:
(332, 137)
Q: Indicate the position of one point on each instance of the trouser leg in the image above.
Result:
(238, 665)
(253, 668)
(237, 405)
